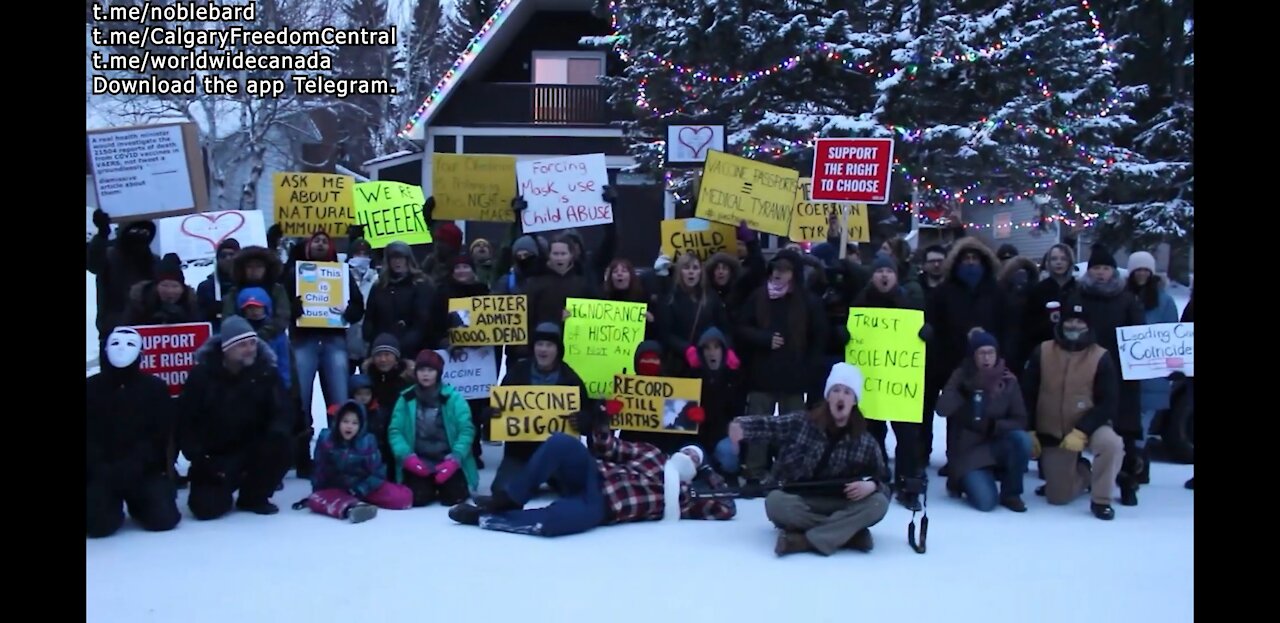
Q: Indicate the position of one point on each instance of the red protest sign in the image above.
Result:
(169, 350)
(852, 170)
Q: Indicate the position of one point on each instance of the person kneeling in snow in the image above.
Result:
(625, 481)
(430, 433)
(350, 479)
(830, 442)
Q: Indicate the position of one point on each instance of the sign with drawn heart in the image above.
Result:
(197, 236)
(690, 143)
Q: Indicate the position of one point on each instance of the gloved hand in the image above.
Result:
(744, 232)
(731, 359)
(416, 467)
(1075, 441)
(662, 266)
(697, 414)
(446, 469)
(102, 221)
(691, 356)
(274, 234)
(1035, 445)
(610, 195)
(518, 205)
(428, 207)
(926, 332)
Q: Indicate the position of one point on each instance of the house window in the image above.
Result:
(567, 67)
(562, 94)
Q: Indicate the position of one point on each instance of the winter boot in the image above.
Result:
(791, 543)
(1102, 511)
(861, 541)
(945, 470)
(1014, 503)
(465, 514)
(1143, 466)
(909, 501)
(360, 513)
(258, 508)
(499, 502)
(908, 493)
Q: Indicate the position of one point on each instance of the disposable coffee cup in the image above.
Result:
(1055, 310)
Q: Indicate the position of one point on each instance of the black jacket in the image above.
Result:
(353, 314)
(521, 373)
(221, 414)
(1037, 326)
(211, 306)
(401, 308)
(129, 418)
(548, 291)
(438, 331)
(117, 270)
(1108, 310)
(956, 308)
(787, 369)
(681, 321)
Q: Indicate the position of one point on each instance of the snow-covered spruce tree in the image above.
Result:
(419, 63)
(360, 117)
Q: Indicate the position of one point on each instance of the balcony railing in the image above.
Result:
(517, 103)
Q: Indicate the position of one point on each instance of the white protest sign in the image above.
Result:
(144, 171)
(472, 373)
(564, 192)
(1155, 351)
(197, 236)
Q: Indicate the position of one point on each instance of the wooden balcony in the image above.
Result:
(517, 103)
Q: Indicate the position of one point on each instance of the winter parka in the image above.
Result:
(354, 466)
(456, 416)
(223, 414)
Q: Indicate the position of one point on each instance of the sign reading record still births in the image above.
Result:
(852, 170)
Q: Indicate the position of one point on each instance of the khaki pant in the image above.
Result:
(1065, 478)
(828, 522)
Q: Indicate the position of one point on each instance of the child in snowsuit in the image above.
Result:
(256, 306)
(350, 479)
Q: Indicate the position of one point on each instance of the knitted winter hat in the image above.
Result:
(170, 269)
(845, 374)
(549, 332)
(430, 359)
(980, 339)
(399, 249)
(1101, 257)
(462, 259)
(477, 242)
(359, 381)
(358, 246)
(449, 234)
(1075, 309)
(386, 343)
(825, 252)
(235, 330)
(523, 243)
(648, 358)
(702, 457)
(883, 260)
(1141, 260)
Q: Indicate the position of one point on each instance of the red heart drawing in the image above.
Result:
(695, 135)
(210, 229)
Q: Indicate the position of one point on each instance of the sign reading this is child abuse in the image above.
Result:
(852, 169)
(533, 412)
(885, 344)
(564, 192)
(657, 404)
(306, 202)
(497, 320)
(735, 189)
(169, 351)
(391, 211)
(600, 339)
(322, 286)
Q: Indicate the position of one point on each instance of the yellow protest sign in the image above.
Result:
(322, 286)
(735, 189)
(473, 188)
(703, 238)
(533, 412)
(810, 219)
(885, 344)
(600, 339)
(391, 211)
(306, 202)
(656, 404)
(490, 320)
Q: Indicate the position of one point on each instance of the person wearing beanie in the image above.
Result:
(446, 238)
(430, 434)
(1006, 252)
(1158, 307)
(611, 481)
(234, 423)
(129, 423)
(647, 361)
(360, 264)
(165, 300)
(481, 251)
(401, 301)
(350, 479)
(255, 307)
(990, 437)
(516, 265)
(390, 375)
(723, 398)
(118, 265)
(209, 293)
(549, 290)
(1111, 306)
(260, 267)
(827, 443)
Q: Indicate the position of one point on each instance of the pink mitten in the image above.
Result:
(416, 466)
(691, 356)
(445, 469)
(731, 359)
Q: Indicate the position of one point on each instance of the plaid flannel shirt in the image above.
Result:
(631, 480)
(803, 445)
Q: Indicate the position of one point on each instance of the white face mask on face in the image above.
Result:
(359, 263)
(123, 347)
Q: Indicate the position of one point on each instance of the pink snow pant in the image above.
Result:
(335, 502)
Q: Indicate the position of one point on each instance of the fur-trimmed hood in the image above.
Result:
(1016, 263)
(970, 244)
(735, 267)
(263, 254)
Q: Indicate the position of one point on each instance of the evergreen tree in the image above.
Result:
(420, 61)
(360, 117)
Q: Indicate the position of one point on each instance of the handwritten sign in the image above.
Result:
(600, 340)
(852, 169)
(473, 188)
(533, 412)
(322, 286)
(472, 373)
(564, 192)
(656, 404)
(885, 344)
(692, 143)
(702, 238)
(490, 320)
(810, 219)
(307, 202)
(736, 189)
(1155, 351)
(391, 211)
(197, 236)
(147, 171)
(169, 351)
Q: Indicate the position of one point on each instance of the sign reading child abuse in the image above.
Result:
(852, 169)
(391, 211)
(533, 412)
(169, 351)
(735, 189)
(473, 188)
(885, 344)
(1155, 351)
(306, 202)
(322, 286)
(697, 236)
(563, 192)
(498, 320)
(600, 339)
(657, 404)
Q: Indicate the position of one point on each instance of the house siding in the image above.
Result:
(1031, 242)
(546, 30)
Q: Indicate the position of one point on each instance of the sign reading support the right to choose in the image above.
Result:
(885, 344)
(852, 170)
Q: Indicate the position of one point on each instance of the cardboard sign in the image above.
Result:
(810, 220)
(472, 374)
(197, 236)
(169, 350)
(322, 286)
(656, 404)
(498, 320)
(1155, 351)
(533, 412)
(600, 339)
(702, 238)
(391, 211)
(852, 169)
(736, 189)
(564, 193)
(473, 188)
(692, 143)
(885, 344)
(147, 171)
(306, 202)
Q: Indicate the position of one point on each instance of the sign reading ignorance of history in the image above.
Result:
(533, 412)
(657, 404)
(498, 320)
(600, 339)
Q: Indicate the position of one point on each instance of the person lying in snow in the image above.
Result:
(623, 482)
(350, 479)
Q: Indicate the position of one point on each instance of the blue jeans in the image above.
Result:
(581, 504)
(726, 458)
(325, 353)
(1012, 450)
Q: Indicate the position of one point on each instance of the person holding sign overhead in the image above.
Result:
(118, 266)
(430, 434)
